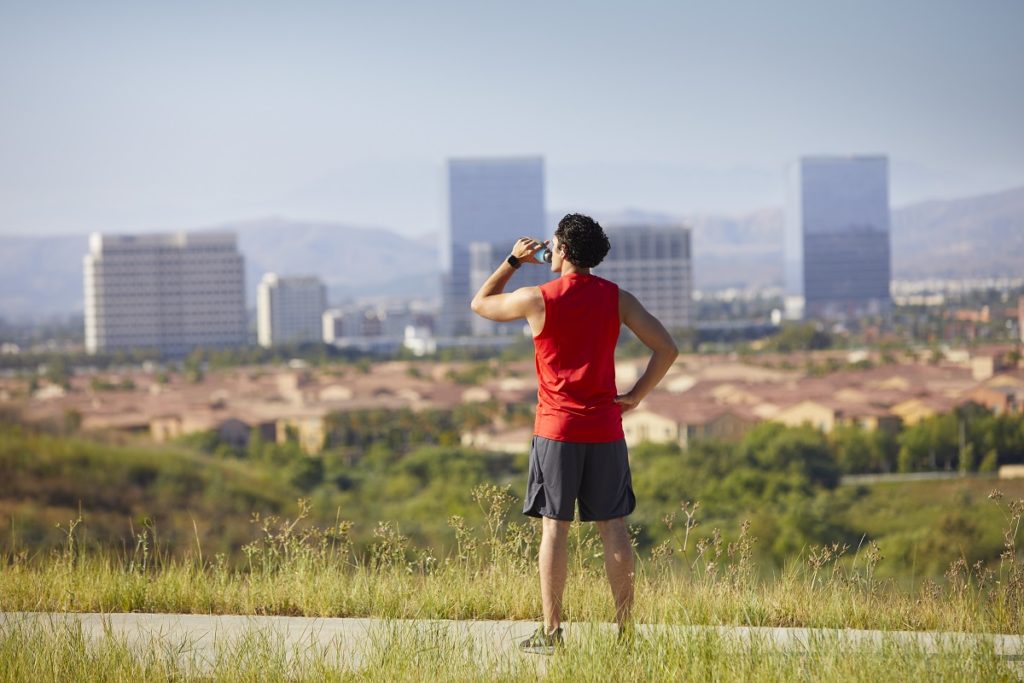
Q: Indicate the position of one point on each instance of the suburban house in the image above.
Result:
(1001, 399)
(914, 410)
(671, 419)
(231, 429)
(826, 415)
(307, 428)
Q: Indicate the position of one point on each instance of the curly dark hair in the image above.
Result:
(586, 245)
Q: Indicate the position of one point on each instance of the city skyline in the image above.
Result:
(120, 118)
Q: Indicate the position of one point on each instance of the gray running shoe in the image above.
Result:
(542, 643)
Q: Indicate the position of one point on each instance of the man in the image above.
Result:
(579, 452)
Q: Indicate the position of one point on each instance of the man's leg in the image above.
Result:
(554, 565)
(618, 562)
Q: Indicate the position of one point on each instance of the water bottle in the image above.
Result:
(543, 254)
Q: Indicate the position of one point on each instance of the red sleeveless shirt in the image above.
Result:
(575, 354)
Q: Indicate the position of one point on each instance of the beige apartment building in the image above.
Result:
(655, 265)
(171, 292)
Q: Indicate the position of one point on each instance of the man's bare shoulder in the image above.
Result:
(627, 302)
(534, 296)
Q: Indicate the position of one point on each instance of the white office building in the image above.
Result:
(491, 204)
(289, 310)
(341, 325)
(172, 292)
(837, 252)
(655, 266)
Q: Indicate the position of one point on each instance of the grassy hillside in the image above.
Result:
(121, 490)
(922, 527)
(782, 482)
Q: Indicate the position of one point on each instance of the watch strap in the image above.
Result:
(513, 261)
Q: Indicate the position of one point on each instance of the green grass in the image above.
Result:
(397, 652)
(294, 568)
(212, 562)
(490, 574)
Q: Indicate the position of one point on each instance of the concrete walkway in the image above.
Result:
(198, 641)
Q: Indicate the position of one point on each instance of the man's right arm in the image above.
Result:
(654, 336)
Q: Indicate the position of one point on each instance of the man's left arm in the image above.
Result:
(493, 303)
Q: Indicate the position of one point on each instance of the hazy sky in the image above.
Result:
(138, 116)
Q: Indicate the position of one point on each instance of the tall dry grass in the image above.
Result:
(293, 568)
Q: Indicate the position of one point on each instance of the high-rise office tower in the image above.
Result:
(290, 309)
(172, 292)
(1020, 317)
(837, 254)
(654, 265)
(481, 265)
(490, 202)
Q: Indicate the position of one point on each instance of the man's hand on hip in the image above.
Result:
(627, 402)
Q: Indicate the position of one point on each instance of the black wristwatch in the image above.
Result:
(513, 261)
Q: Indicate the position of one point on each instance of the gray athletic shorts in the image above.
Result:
(597, 474)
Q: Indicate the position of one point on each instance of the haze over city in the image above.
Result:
(124, 118)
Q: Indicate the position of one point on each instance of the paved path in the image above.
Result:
(196, 639)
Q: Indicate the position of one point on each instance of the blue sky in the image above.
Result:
(139, 116)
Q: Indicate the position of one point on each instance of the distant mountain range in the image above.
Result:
(972, 237)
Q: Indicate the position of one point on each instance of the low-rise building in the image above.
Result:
(1000, 399)
(308, 429)
(513, 441)
(1011, 472)
(825, 415)
(915, 410)
(668, 419)
(231, 430)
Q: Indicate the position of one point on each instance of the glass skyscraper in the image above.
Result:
(491, 204)
(837, 253)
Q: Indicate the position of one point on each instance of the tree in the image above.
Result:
(799, 450)
(990, 463)
(967, 459)
(305, 473)
(193, 366)
(72, 420)
(801, 337)
(905, 460)
(58, 371)
(931, 443)
(856, 450)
